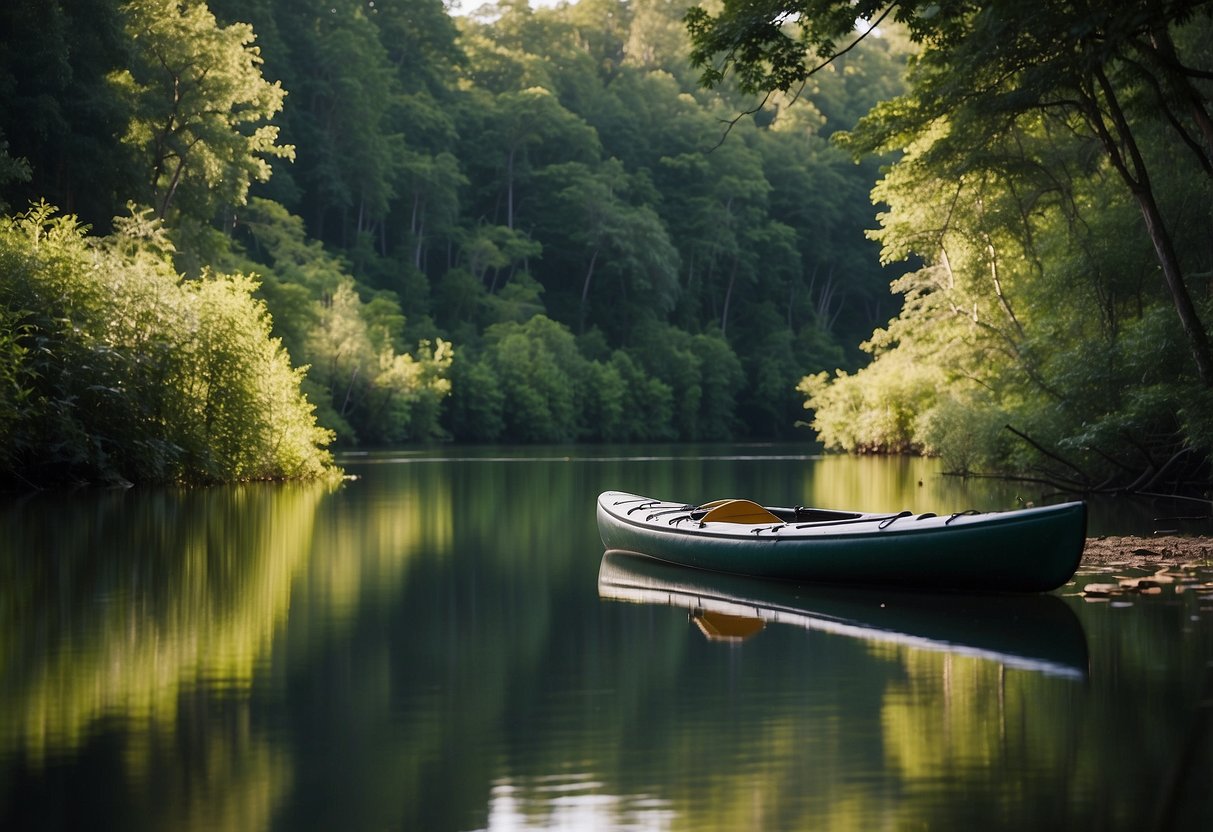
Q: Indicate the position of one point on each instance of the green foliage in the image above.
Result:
(1032, 136)
(11, 170)
(61, 121)
(542, 376)
(477, 401)
(124, 372)
(1038, 307)
(534, 382)
(376, 394)
(967, 431)
(647, 409)
(245, 418)
(366, 388)
(199, 106)
(703, 374)
(876, 410)
(13, 392)
(454, 183)
(654, 229)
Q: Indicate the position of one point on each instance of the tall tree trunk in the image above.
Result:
(1138, 180)
(417, 228)
(420, 244)
(172, 188)
(509, 190)
(1176, 75)
(585, 289)
(728, 295)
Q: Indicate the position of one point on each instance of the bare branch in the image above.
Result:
(731, 123)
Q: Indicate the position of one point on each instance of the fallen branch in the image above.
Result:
(1050, 454)
(1152, 475)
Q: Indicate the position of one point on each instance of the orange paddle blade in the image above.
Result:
(745, 512)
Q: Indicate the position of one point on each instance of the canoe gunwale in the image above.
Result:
(989, 521)
(1024, 550)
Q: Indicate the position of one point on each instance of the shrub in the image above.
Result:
(124, 372)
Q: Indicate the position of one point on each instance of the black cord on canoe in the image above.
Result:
(853, 521)
(883, 521)
(964, 513)
(762, 529)
(888, 521)
(665, 511)
(634, 500)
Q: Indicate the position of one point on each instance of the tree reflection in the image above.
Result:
(425, 648)
(116, 606)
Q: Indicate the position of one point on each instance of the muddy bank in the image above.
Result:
(1164, 550)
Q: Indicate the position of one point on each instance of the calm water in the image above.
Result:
(439, 644)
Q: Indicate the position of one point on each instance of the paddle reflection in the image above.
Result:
(1029, 632)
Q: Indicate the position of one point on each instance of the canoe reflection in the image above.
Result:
(1029, 632)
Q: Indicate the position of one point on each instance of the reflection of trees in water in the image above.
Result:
(117, 605)
(870, 483)
(427, 669)
(143, 618)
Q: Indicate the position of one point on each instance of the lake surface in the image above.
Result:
(439, 643)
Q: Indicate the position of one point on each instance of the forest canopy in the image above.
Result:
(627, 220)
(516, 225)
(1053, 196)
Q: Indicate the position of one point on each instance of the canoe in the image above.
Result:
(1025, 550)
(1033, 632)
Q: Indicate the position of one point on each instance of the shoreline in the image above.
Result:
(1161, 550)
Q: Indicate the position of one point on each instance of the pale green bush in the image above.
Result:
(125, 372)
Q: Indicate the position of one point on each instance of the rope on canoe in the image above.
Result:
(854, 521)
(656, 514)
(964, 513)
(758, 531)
(888, 521)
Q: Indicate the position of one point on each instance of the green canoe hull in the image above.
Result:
(1029, 550)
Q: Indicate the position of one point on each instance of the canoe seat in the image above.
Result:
(746, 512)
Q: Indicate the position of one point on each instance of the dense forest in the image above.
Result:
(519, 225)
(1053, 199)
(240, 230)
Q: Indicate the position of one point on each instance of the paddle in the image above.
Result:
(745, 512)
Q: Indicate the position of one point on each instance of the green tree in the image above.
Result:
(594, 232)
(477, 401)
(200, 106)
(529, 119)
(125, 372)
(983, 69)
(453, 175)
(648, 403)
(365, 385)
(59, 114)
(542, 376)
